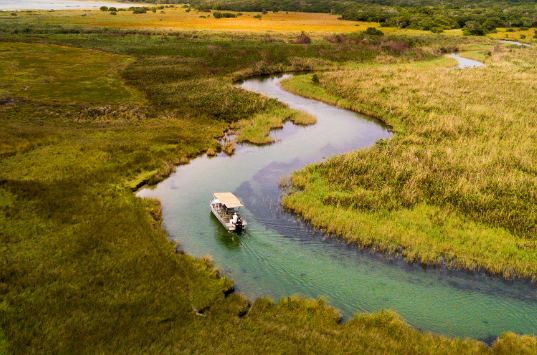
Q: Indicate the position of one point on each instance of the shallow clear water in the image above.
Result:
(516, 43)
(280, 256)
(465, 62)
(11, 5)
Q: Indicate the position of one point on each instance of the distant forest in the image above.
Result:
(474, 17)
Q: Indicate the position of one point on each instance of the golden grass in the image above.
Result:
(177, 19)
(515, 36)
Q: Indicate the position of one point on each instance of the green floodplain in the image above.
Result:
(88, 114)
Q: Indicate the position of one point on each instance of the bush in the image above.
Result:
(372, 31)
(112, 9)
(113, 13)
(315, 79)
(509, 30)
(13, 14)
(139, 10)
(522, 36)
(257, 16)
(104, 8)
(224, 15)
(303, 38)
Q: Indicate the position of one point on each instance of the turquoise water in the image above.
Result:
(280, 256)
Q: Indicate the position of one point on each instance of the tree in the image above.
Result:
(372, 31)
(473, 28)
(491, 23)
(139, 10)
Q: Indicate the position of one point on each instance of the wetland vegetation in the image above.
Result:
(456, 184)
(90, 111)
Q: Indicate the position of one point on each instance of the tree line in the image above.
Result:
(474, 17)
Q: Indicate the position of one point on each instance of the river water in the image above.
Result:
(515, 43)
(279, 255)
(465, 62)
(13, 5)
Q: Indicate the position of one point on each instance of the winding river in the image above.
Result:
(279, 255)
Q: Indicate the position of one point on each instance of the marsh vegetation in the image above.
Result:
(456, 184)
(86, 114)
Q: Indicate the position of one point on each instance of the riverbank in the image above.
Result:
(454, 186)
(278, 255)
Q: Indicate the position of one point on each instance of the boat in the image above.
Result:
(225, 206)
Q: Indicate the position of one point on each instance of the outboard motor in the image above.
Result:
(238, 223)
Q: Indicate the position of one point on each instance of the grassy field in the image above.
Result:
(30, 72)
(177, 18)
(456, 185)
(86, 115)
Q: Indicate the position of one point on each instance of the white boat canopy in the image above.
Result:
(228, 199)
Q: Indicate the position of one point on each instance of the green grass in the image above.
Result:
(455, 185)
(479, 55)
(86, 267)
(257, 130)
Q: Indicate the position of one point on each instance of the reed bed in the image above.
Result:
(257, 130)
(456, 185)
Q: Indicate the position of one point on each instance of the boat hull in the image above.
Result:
(228, 225)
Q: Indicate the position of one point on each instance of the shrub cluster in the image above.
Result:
(219, 14)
